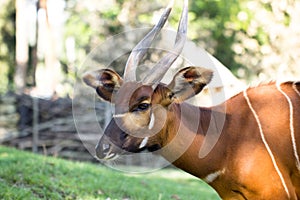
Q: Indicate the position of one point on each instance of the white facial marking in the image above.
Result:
(109, 156)
(213, 176)
(119, 115)
(144, 142)
(266, 143)
(151, 123)
(105, 146)
(291, 125)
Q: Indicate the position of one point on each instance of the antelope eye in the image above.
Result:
(142, 107)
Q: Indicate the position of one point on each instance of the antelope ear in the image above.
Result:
(189, 81)
(105, 81)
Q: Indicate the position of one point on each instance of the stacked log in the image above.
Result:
(46, 126)
(9, 118)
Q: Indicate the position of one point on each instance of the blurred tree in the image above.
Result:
(269, 46)
(7, 44)
(22, 46)
(210, 28)
(48, 47)
(252, 38)
(38, 42)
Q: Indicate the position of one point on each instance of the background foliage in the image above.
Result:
(7, 44)
(255, 39)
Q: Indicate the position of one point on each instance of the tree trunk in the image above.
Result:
(21, 46)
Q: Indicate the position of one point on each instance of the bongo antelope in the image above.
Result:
(258, 149)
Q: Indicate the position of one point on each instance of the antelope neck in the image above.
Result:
(187, 128)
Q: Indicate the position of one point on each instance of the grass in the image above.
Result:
(28, 176)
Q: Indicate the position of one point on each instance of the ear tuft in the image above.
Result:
(105, 81)
(91, 79)
(190, 81)
(197, 74)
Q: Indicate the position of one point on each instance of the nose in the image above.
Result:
(105, 148)
(104, 151)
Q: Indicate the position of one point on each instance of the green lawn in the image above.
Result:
(28, 176)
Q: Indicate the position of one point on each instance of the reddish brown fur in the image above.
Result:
(249, 172)
(256, 155)
(239, 166)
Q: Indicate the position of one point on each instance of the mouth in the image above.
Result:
(107, 157)
(105, 152)
(110, 156)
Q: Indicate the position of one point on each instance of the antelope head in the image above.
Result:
(142, 107)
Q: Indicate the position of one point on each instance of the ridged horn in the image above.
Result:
(141, 48)
(158, 71)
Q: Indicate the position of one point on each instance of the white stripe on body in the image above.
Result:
(291, 125)
(266, 144)
(213, 176)
(294, 87)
